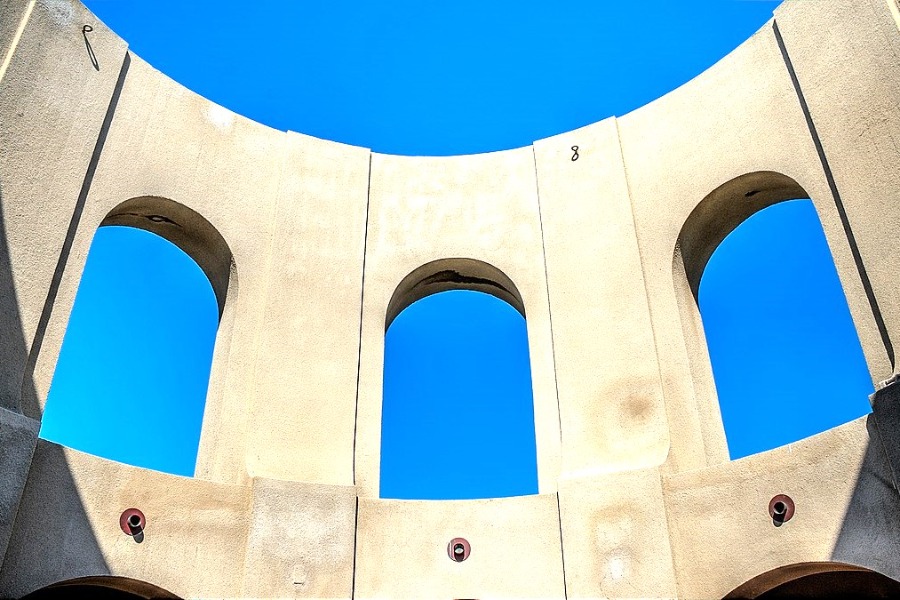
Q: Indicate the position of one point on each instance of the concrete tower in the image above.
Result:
(602, 254)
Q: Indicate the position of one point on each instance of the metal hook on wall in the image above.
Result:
(86, 29)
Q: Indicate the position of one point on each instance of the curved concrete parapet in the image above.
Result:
(313, 247)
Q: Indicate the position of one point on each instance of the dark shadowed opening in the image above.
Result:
(817, 580)
(103, 588)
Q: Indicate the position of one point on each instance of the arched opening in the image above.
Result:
(817, 580)
(785, 355)
(458, 408)
(101, 587)
(132, 376)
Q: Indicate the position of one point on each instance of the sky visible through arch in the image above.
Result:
(437, 79)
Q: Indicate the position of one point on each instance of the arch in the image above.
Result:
(458, 402)
(190, 245)
(817, 580)
(714, 218)
(185, 228)
(720, 213)
(453, 274)
(105, 587)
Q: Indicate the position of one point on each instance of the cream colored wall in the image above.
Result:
(301, 541)
(202, 539)
(169, 142)
(482, 207)
(616, 536)
(850, 79)
(401, 548)
(298, 269)
(52, 105)
(610, 395)
(713, 129)
(637, 495)
(68, 526)
(304, 413)
(720, 527)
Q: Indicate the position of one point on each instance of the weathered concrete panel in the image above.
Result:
(722, 533)
(610, 397)
(741, 116)
(307, 404)
(173, 144)
(482, 207)
(608, 244)
(616, 537)
(68, 526)
(18, 436)
(515, 549)
(301, 541)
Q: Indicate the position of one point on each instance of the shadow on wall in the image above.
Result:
(50, 496)
(866, 548)
(869, 531)
(779, 343)
(12, 343)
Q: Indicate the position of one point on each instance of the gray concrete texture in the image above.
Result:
(312, 247)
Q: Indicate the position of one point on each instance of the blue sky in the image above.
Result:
(786, 358)
(436, 79)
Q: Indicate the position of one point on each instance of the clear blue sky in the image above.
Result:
(443, 78)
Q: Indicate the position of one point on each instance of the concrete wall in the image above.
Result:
(481, 207)
(53, 106)
(313, 244)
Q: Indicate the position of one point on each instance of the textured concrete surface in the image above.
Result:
(18, 436)
(194, 539)
(53, 103)
(610, 395)
(301, 541)
(306, 407)
(401, 548)
(741, 116)
(313, 247)
(722, 534)
(616, 537)
(481, 207)
(856, 118)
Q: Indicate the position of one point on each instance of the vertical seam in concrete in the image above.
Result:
(251, 511)
(886, 453)
(355, 536)
(74, 222)
(537, 192)
(362, 293)
(667, 517)
(562, 551)
(839, 204)
(16, 39)
(659, 474)
(637, 243)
